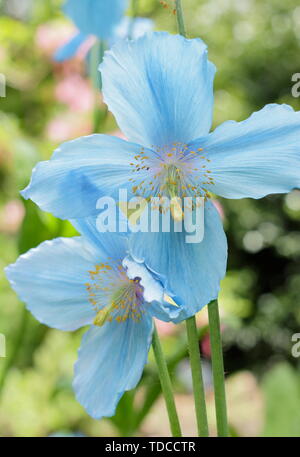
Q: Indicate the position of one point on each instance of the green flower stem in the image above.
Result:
(218, 368)
(153, 388)
(180, 20)
(199, 392)
(166, 385)
(134, 8)
(134, 14)
(96, 57)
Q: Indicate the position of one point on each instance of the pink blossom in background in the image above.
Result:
(219, 208)
(50, 36)
(165, 328)
(119, 134)
(205, 346)
(53, 35)
(68, 126)
(85, 47)
(76, 92)
(11, 216)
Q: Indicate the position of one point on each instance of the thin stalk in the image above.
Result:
(166, 385)
(96, 57)
(218, 368)
(198, 385)
(153, 389)
(134, 14)
(134, 8)
(180, 19)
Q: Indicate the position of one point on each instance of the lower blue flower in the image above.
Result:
(68, 283)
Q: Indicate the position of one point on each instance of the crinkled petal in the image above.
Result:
(51, 280)
(96, 17)
(159, 88)
(190, 272)
(111, 361)
(255, 157)
(159, 304)
(69, 50)
(153, 290)
(80, 172)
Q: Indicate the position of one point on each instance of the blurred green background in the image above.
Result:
(255, 46)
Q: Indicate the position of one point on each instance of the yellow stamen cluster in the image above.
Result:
(171, 172)
(113, 295)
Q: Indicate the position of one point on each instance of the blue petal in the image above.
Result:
(190, 273)
(153, 290)
(96, 17)
(113, 245)
(133, 28)
(160, 88)
(70, 49)
(255, 157)
(80, 172)
(154, 293)
(111, 361)
(51, 280)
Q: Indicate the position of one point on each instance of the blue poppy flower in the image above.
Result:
(94, 17)
(68, 283)
(103, 19)
(160, 89)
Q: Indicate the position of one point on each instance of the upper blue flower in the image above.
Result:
(102, 18)
(68, 283)
(160, 89)
(96, 17)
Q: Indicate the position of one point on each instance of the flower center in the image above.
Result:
(173, 172)
(113, 295)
